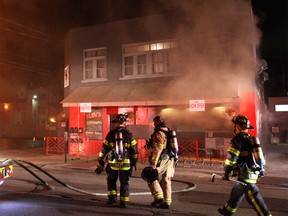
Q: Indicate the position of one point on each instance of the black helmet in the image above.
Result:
(121, 118)
(149, 174)
(242, 121)
(158, 119)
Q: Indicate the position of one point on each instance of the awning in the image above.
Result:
(138, 94)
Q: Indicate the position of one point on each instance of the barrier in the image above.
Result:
(55, 145)
(191, 150)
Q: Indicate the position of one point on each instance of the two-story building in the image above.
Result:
(195, 68)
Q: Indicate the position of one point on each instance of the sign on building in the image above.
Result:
(197, 105)
(85, 107)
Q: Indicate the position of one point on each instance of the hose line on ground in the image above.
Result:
(191, 186)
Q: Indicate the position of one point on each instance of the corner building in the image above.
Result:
(162, 64)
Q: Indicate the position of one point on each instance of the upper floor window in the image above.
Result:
(149, 59)
(94, 64)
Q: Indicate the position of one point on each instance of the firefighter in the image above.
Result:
(160, 159)
(120, 152)
(246, 161)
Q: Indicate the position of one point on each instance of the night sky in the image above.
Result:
(274, 45)
(42, 25)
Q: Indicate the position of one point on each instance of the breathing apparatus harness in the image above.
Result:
(252, 157)
(171, 149)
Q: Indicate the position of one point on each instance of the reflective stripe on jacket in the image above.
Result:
(130, 152)
(119, 165)
(240, 157)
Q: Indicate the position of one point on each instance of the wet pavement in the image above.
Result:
(194, 194)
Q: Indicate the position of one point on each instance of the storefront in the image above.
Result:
(90, 117)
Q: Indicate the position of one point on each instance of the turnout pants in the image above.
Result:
(112, 177)
(161, 188)
(252, 195)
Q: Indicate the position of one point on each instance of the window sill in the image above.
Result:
(94, 80)
(147, 76)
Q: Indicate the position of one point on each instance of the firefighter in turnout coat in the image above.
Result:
(120, 152)
(246, 161)
(159, 159)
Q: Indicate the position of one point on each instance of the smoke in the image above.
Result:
(217, 48)
(217, 54)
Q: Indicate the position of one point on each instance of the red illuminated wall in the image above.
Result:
(93, 147)
(87, 147)
(248, 106)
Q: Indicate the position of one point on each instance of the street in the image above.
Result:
(82, 192)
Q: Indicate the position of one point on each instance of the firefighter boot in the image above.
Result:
(111, 200)
(157, 202)
(164, 205)
(122, 204)
(224, 212)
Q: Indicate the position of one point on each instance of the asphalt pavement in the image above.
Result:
(276, 159)
(191, 171)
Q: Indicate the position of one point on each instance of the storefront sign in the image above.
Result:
(197, 105)
(85, 107)
(281, 108)
(94, 125)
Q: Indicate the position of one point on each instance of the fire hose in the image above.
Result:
(45, 184)
(20, 163)
(214, 175)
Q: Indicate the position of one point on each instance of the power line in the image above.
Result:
(12, 55)
(26, 67)
(47, 39)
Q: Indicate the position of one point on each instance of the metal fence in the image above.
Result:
(190, 151)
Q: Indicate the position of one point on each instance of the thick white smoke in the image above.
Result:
(217, 47)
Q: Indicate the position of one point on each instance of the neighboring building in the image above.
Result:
(196, 75)
(278, 119)
(29, 115)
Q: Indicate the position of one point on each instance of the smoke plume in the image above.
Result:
(217, 51)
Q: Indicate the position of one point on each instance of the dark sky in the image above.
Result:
(44, 23)
(32, 34)
(273, 22)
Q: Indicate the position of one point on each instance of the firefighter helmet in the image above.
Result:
(149, 174)
(120, 118)
(158, 119)
(242, 121)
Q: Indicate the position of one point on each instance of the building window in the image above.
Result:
(141, 64)
(157, 63)
(128, 65)
(150, 59)
(94, 64)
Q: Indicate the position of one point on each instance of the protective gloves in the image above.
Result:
(100, 167)
(261, 173)
(227, 171)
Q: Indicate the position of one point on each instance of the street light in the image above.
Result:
(52, 119)
(6, 107)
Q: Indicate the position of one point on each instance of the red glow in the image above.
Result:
(142, 115)
(248, 109)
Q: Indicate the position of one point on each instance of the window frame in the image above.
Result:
(95, 61)
(148, 49)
